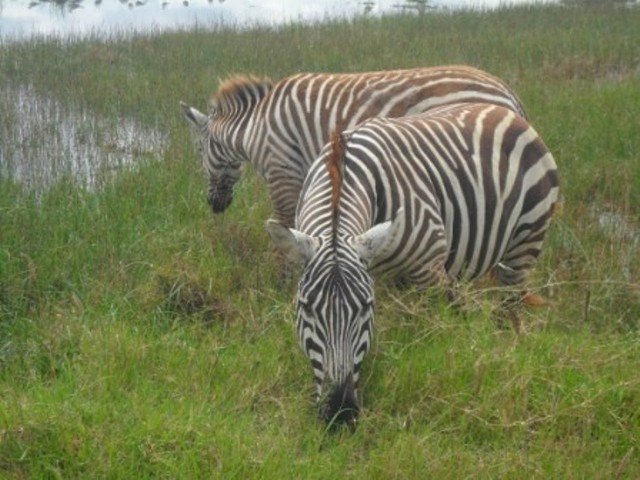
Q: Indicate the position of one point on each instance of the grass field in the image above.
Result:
(142, 337)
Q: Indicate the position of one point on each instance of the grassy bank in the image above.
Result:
(141, 337)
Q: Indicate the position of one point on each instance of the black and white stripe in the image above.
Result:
(436, 197)
(280, 128)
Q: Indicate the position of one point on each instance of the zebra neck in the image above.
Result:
(255, 137)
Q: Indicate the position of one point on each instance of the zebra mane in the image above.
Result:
(335, 167)
(239, 91)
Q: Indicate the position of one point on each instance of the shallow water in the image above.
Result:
(24, 18)
(43, 141)
(623, 231)
(617, 225)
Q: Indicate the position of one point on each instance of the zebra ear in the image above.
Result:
(378, 238)
(297, 246)
(195, 117)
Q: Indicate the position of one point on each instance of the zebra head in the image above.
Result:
(220, 135)
(335, 308)
(221, 161)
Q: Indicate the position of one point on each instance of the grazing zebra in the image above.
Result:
(280, 128)
(432, 198)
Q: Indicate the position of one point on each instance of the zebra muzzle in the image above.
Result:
(340, 407)
(220, 197)
(219, 205)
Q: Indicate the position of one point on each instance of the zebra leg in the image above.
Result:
(512, 271)
(436, 276)
(512, 274)
(284, 214)
(508, 313)
(446, 284)
(284, 183)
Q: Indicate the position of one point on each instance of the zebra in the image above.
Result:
(429, 199)
(281, 127)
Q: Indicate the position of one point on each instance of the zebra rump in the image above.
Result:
(432, 198)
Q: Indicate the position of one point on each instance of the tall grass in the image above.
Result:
(142, 337)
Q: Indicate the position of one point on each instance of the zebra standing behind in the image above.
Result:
(280, 128)
(436, 197)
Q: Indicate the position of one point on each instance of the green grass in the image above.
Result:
(141, 337)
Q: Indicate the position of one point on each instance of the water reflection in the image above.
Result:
(19, 19)
(367, 6)
(69, 5)
(418, 6)
(43, 140)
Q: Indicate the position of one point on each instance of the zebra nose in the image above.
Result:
(220, 199)
(341, 405)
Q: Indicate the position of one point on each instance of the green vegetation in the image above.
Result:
(142, 337)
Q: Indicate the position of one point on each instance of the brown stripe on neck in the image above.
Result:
(335, 167)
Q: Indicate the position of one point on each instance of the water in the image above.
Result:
(46, 140)
(24, 18)
(621, 229)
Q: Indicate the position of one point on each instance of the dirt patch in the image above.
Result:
(187, 296)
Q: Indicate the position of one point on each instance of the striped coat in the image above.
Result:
(445, 195)
(280, 128)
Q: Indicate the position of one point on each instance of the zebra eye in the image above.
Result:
(368, 305)
(305, 307)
